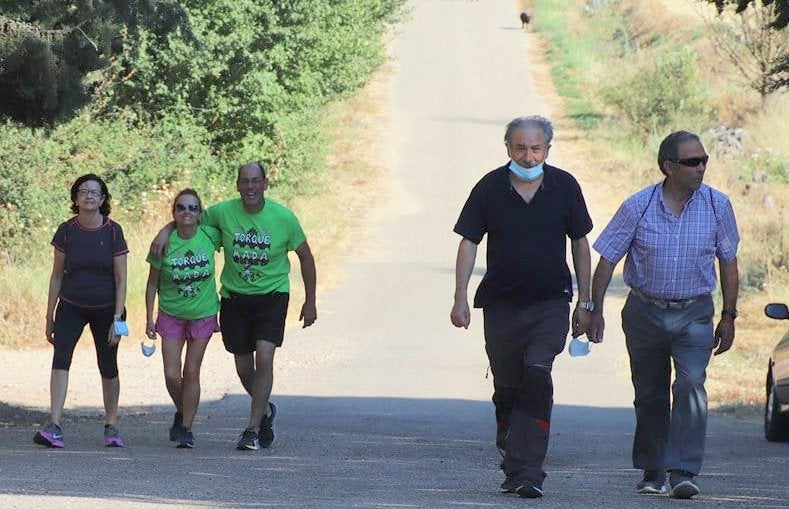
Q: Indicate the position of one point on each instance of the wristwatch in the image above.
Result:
(588, 305)
(730, 312)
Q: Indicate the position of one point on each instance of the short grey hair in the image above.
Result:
(537, 121)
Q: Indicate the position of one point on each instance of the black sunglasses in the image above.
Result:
(181, 207)
(692, 162)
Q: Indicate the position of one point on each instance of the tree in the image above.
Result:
(49, 48)
(752, 36)
(781, 9)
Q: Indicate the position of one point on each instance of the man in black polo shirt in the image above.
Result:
(528, 209)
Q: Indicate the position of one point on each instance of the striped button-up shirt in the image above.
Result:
(671, 256)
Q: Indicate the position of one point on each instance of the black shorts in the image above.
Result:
(70, 321)
(246, 319)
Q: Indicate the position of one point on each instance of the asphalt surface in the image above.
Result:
(382, 403)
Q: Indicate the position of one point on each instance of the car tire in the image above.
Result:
(776, 424)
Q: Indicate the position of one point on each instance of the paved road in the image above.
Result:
(383, 403)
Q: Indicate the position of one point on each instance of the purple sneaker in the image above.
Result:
(50, 436)
(111, 436)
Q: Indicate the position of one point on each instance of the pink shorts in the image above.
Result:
(170, 327)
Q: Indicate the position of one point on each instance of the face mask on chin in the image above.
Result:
(526, 174)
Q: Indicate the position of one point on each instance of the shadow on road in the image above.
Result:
(352, 452)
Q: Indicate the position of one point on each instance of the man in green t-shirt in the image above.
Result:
(257, 234)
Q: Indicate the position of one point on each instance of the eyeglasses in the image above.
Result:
(89, 192)
(692, 162)
(180, 207)
(253, 181)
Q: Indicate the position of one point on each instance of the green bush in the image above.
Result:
(37, 169)
(661, 91)
(258, 75)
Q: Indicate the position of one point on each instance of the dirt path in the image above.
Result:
(383, 403)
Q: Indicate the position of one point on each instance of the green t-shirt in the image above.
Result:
(255, 246)
(187, 286)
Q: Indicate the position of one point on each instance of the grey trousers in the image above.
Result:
(669, 434)
(521, 343)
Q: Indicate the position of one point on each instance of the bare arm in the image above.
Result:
(159, 243)
(150, 298)
(730, 287)
(602, 278)
(309, 312)
(467, 254)
(55, 284)
(119, 271)
(582, 263)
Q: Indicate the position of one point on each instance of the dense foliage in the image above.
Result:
(49, 49)
(180, 94)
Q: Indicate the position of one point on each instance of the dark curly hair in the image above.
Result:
(105, 207)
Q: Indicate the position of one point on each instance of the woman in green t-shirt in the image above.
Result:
(188, 305)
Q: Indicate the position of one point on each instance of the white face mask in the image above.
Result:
(526, 174)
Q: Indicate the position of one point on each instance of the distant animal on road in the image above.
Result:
(525, 18)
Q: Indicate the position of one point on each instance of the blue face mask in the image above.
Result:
(526, 174)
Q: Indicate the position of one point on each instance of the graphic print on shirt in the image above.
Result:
(250, 248)
(188, 270)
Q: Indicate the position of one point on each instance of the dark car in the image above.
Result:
(776, 409)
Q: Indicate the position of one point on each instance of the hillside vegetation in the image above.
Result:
(251, 80)
(630, 73)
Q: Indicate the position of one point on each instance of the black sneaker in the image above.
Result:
(528, 489)
(248, 440)
(509, 485)
(266, 433)
(682, 485)
(175, 429)
(653, 482)
(186, 440)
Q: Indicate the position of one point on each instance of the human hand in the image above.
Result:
(460, 314)
(50, 331)
(112, 338)
(309, 313)
(580, 321)
(150, 329)
(724, 334)
(594, 332)
(159, 243)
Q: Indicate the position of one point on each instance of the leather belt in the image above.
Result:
(666, 304)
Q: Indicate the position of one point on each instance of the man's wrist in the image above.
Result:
(730, 312)
(117, 317)
(586, 305)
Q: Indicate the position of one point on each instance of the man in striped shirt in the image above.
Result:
(671, 233)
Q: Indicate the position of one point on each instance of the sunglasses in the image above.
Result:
(192, 208)
(692, 162)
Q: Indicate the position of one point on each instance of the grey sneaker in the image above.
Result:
(175, 429)
(248, 440)
(50, 436)
(266, 432)
(654, 483)
(682, 485)
(111, 437)
(186, 440)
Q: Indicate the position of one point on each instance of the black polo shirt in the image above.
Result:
(527, 242)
